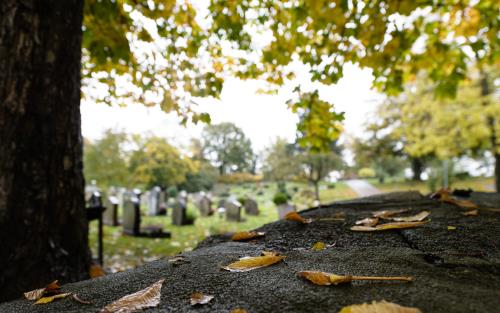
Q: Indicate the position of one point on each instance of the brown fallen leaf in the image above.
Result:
(178, 260)
(96, 271)
(49, 299)
(80, 300)
(200, 298)
(444, 195)
(369, 221)
(471, 213)
(414, 218)
(239, 311)
(270, 253)
(325, 279)
(387, 226)
(388, 213)
(250, 263)
(38, 293)
(247, 235)
(294, 216)
(492, 210)
(145, 298)
(378, 307)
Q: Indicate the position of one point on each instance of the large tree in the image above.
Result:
(156, 52)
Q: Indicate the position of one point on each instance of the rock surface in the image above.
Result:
(455, 270)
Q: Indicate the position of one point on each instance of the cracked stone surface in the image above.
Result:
(455, 270)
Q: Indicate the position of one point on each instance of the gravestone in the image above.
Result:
(251, 207)
(162, 203)
(110, 216)
(205, 206)
(154, 201)
(131, 214)
(284, 209)
(179, 213)
(233, 211)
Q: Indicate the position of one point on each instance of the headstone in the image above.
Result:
(154, 201)
(110, 216)
(251, 207)
(284, 209)
(205, 206)
(131, 214)
(162, 203)
(233, 211)
(179, 216)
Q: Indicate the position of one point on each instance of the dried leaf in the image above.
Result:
(178, 260)
(324, 279)
(463, 203)
(146, 298)
(451, 228)
(369, 221)
(294, 216)
(38, 293)
(318, 246)
(386, 226)
(96, 271)
(200, 298)
(80, 300)
(250, 263)
(378, 307)
(388, 213)
(247, 235)
(445, 196)
(49, 299)
(471, 213)
(492, 210)
(414, 218)
(270, 253)
(239, 311)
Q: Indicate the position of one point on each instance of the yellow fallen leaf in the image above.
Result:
(269, 253)
(388, 213)
(239, 311)
(369, 221)
(471, 213)
(444, 196)
(294, 216)
(49, 299)
(378, 307)
(387, 226)
(318, 246)
(250, 263)
(414, 218)
(200, 298)
(38, 293)
(145, 298)
(324, 279)
(451, 227)
(247, 235)
(96, 271)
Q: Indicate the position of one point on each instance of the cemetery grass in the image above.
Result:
(125, 252)
(474, 183)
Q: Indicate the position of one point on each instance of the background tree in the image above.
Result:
(280, 162)
(227, 147)
(106, 161)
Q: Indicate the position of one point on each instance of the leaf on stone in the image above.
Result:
(414, 218)
(378, 307)
(318, 246)
(247, 235)
(388, 213)
(250, 263)
(471, 213)
(146, 298)
(269, 253)
(444, 195)
(325, 279)
(387, 226)
(239, 311)
(49, 299)
(178, 260)
(369, 221)
(80, 300)
(96, 271)
(200, 298)
(294, 216)
(38, 293)
(451, 227)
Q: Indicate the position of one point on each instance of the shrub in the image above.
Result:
(280, 198)
(239, 178)
(366, 172)
(172, 191)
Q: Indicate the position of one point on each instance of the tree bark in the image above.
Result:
(497, 172)
(417, 167)
(495, 149)
(316, 190)
(43, 227)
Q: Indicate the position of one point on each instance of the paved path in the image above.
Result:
(362, 187)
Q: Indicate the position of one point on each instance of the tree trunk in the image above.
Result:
(43, 227)
(417, 167)
(316, 190)
(485, 91)
(497, 172)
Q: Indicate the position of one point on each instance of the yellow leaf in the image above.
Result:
(325, 279)
(318, 278)
(386, 226)
(414, 218)
(369, 221)
(318, 246)
(247, 235)
(378, 307)
(200, 298)
(388, 213)
(49, 299)
(451, 227)
(38, 293)
(294, 216)
(270, 253)
(239, 311)
(471, 213)
(96, 271)
(146, 298)
(250, 263)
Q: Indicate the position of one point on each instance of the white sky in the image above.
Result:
(262, 117)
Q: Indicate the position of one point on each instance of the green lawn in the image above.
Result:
(124, 252)
(478, 184)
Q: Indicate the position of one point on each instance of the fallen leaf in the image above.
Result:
(239, 311)
(386, 226)
(471, 213)
(463, 203)
(247, 235)
(378, 307)
(200, 298)
(492, 210)
(80, 300)
(146, 298)
(269, 253)
(96, 271)
(388, 213)
(38, 293)
(324, 279)
(414, 218)
(178, 260)
(369, 221)
(49, 299)
(444, 195)
(250, 263)
(451, 227)
(318, 246)
(294, 216)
